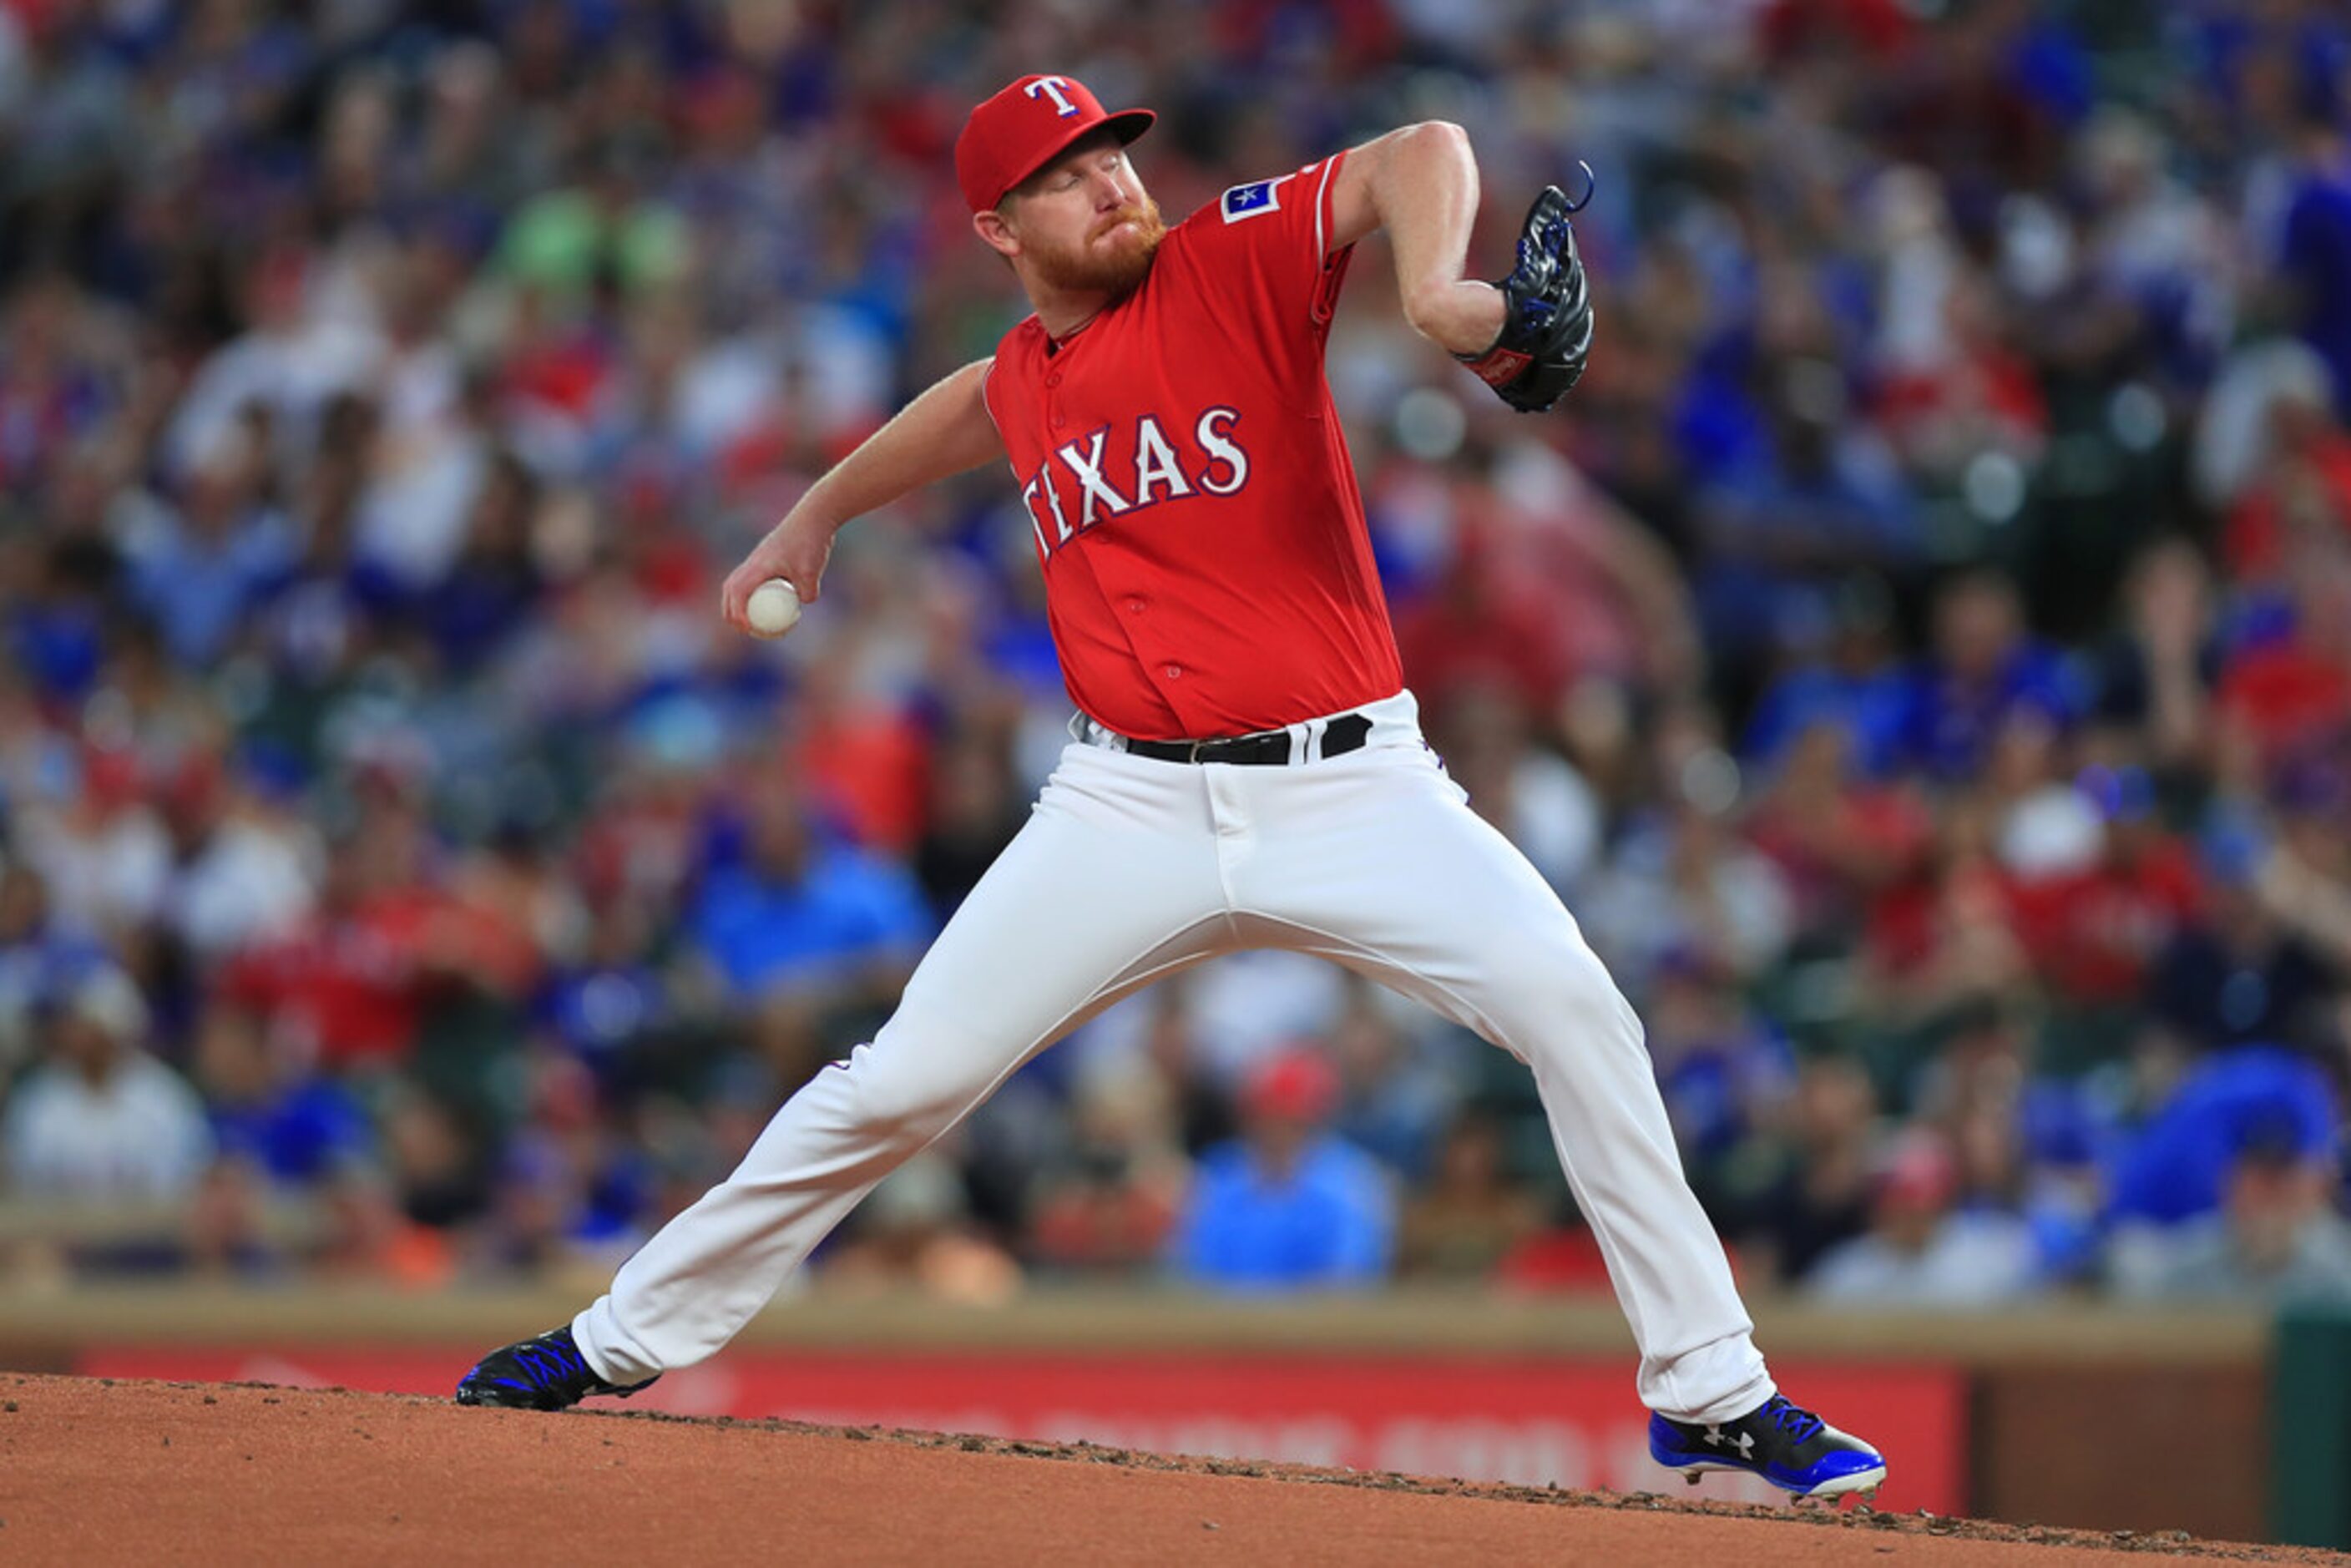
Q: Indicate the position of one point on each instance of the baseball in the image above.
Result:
(775, 606)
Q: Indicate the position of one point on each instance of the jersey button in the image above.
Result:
(1174, 672)
(1134, 607)
(1058, 421)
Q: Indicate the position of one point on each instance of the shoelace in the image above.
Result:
(1799, 1423)
(547, 1365)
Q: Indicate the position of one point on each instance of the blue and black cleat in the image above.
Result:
(1785, 1444)
(544, 1374)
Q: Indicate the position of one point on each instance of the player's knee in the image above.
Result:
(1562, 988)
(1538, 963)
(887, 1098)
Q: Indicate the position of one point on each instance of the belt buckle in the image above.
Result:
(1194, 758)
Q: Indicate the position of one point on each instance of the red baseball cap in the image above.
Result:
(1295, 1085)
(1026, 127)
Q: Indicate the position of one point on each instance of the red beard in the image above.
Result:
(1116, 266)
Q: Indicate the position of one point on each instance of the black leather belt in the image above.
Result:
(1272, 749)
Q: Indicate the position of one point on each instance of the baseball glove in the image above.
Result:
(1546, 311)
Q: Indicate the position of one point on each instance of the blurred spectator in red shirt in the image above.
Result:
(1482, 623)
(2303, 489)
(1838, 838)
(1113, 1206)
(2094, 929)
(2289, 688)
(352, 984)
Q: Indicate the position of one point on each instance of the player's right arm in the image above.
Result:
(945, 432)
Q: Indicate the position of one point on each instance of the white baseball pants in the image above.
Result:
(1132, 869)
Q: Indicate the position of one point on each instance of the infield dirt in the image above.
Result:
(99, 1470)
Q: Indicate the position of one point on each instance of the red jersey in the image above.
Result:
(1207, 571)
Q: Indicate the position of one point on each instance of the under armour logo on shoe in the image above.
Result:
(1744, 1442)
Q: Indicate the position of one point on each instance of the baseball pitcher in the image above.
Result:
(1246, 767)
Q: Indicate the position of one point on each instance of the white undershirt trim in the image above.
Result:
(985, 409)
(1322, 194)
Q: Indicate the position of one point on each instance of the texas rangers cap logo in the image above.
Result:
(1050, 86)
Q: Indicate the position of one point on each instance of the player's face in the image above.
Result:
(1083, 224)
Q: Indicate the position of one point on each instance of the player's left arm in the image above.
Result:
(1420, 185)
(1528, 336)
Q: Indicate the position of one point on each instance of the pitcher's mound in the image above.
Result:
(100, 1470)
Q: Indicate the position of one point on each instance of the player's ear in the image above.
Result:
(995, 231)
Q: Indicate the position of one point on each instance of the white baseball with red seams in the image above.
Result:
(1208, 575)
(773, 608)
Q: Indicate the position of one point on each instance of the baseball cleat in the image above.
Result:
(1786, 1444)
(544, 1374)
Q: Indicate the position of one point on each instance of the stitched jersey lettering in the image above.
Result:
(1224, 450)
(1083, 477)
(1154, 464)
(1091, 483)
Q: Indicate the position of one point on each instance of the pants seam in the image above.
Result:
(1358, 949)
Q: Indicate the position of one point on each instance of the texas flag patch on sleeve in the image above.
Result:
(1251, 200)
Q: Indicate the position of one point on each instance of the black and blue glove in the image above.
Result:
(1546, 311)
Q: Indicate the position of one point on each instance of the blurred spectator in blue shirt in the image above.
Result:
(2175, 1168)
(1855, 683)
(2274, 1239)
(798, 916)
(295, 1125)
(2238, 974)
(56, 628)
(1289, 1205)
(2316, 259)
(489, 594)
(612, 998)
(1726, 1074)
(200, 569)
(1984, 667)
(1823, 495)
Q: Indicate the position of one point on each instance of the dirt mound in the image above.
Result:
(105, 1470)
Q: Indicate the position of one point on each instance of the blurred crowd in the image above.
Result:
(1919, 652)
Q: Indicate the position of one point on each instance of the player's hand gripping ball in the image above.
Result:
(1546, 311)
(773, 608)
